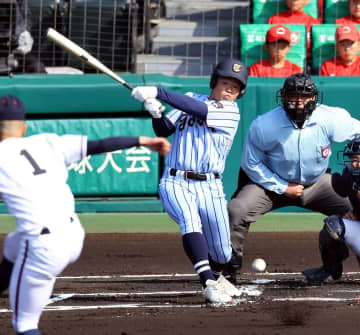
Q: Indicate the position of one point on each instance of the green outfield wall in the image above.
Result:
(96, 105)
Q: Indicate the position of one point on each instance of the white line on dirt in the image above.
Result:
(72, 308)
(60, 297)
(123, 294)
(245, 290)
(68, 308)
(316, 299)
(264, 274)
(129, 276)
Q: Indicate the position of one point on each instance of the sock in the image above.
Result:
(196, 249)
(31, 332)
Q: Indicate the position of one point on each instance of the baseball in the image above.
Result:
(259, 265)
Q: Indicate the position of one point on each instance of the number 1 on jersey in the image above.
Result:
(37, 169)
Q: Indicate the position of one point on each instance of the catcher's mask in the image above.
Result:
(299, 97)
(231, 68)
(353, 164)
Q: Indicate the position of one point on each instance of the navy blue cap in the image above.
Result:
(11, 108)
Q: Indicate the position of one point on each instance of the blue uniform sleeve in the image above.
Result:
(253, 159)
(111, 144)
(183, 102)
(163, 126)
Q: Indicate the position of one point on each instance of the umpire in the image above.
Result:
(285, 160)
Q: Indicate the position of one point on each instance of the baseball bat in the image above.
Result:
(82, 54)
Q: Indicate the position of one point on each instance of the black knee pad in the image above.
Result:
(335, 227)
(5, 274)
(332, 245)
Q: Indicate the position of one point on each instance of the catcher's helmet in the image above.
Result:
(232, 68)
(298, 84)
(352, 148)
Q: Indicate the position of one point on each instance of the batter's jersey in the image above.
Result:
(336, 67)
(203, 145)
(265, 69)
(33, 177)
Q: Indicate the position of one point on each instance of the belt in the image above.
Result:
(194, 175)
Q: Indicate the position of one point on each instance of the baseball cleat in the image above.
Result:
(228, 288)
(214, 293)
(316, 276)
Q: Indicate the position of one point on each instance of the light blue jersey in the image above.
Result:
(275, 153)
(203, 146)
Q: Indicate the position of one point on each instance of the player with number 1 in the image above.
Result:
(49, 235)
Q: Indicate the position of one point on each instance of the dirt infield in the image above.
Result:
(143, 284)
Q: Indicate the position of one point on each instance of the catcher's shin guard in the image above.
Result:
(216, 268)
(332, 245)
(232, 268)
(316, 276)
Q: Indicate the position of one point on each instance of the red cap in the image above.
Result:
(347, 32)
(277, 33)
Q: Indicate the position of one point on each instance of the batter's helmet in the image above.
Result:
(301, 84)
(232, 68)
(351, 149)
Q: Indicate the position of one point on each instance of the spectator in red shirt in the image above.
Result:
(348, 46)
(354, 7)
(277, 44)
(295, 15)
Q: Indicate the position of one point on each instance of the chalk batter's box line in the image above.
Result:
(62, 297)
(176, 275)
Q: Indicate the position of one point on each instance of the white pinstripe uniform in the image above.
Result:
(48, 233)
(200, 206)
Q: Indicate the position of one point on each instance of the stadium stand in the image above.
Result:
(323, 45)
(333, 9)
(252, 39)
(263, 9)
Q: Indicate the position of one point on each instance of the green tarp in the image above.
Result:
(133, 171)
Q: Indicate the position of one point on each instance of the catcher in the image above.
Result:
(339, 232)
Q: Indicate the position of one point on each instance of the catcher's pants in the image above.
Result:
(352, 235)
(38, 260)
(252, 201)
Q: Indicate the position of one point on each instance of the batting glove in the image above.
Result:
(154, 107)
(25, 43)
(143, 93)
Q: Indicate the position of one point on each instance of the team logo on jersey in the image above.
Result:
(295, 38)
(237, 67)
(325, 152)
(217, 104)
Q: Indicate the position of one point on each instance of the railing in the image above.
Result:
(122, 32)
